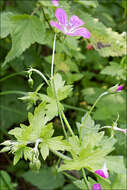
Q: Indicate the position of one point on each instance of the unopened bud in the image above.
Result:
(31, 82)
(113, 89)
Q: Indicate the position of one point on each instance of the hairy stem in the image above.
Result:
(85, 179)
(39, 73)
(12, 75)
(91, 109)
(67, 124)
(52, 66)
(13, 92)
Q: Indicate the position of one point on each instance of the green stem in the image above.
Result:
(60, 155)
(53, 56)
(69, 176)
(74, 108)
(12, 92)
(46, 19)
(67, 124)
(12, 75)
(53, 86)
(85, 179)
(91, 109)
(39, 73)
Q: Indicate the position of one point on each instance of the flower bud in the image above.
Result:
(113, 89)
(30, 82)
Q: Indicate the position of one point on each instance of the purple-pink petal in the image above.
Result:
(96, 186)
(119, 88)
(80, 32)
(61, 16)
(75, 22)
(55, 24)
(55, 3)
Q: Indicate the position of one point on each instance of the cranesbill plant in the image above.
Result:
(89, 149)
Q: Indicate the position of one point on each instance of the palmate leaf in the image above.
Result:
(114, 69)
(100, 33)
(62, 90)
(26, 30)
(91, 153)
(5, 24)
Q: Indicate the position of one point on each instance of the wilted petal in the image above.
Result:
(96, 186)
(55, 3)
(55, 24)
(80, 32)
(103, 172)
(61, 16)
(75, 22)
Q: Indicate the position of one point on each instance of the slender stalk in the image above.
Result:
(12, 92)
(54, 42)
(69, 176)
(12, 75)
(46, 19)
(85, 179)
(59, 154)
(39, 73)
(35, 10)
(53, 86)
(74, 108)
(91, 109)
(67, 124)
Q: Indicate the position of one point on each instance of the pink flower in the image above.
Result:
(71, 27)
(55, 3)
(96, 186)
(103, 172)
(119, 88)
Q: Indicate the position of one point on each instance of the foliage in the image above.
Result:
(60, 128)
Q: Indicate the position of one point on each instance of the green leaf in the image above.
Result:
(114, 69)
(41, 179)
(18, 154)
(87, 126)
(44, 150)
(56, 143)
(80, 184)
(118, 181)
(91, 154)
(62, 91)
(113, 166)
(89, 3)
(70, 187)
(28, 153)
(26, 30)
(5, 24)
(47, 131)
(12, 110)
(5, 181)
(100, 33)
(17, 132)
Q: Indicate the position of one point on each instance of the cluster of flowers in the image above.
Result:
(73, 27)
